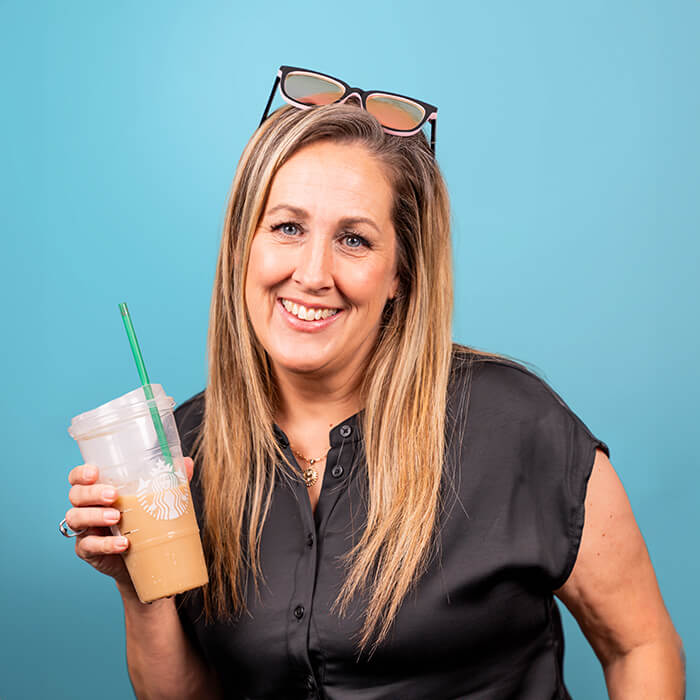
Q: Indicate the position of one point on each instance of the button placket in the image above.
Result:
(341, 457)
(339, 475)
(304, 575)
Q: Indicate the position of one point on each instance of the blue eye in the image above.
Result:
(287, 228)
(354, 241)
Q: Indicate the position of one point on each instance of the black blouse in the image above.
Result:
(482, 622)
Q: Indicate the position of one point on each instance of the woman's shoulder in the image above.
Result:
(188, 418)
(498, 385)
(192, 408)
(495, 375)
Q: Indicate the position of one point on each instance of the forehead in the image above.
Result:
(329, 176)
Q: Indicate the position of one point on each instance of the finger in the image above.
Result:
(84, 474)
(97, 494)
(189, 467)
(89, 545)
(82, 518)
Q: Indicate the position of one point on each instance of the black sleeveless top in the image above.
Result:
(482, 622)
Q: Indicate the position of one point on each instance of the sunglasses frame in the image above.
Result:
(429, 111)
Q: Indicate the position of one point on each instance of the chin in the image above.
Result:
(301, 361)
(293, 354)
(302, 365)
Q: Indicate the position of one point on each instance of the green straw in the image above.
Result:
(147, 390)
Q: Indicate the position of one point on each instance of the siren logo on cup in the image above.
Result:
(163, 496)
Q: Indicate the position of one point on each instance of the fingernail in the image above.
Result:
(109, 494)
(122, 542)
(90, 472)
(111, 516)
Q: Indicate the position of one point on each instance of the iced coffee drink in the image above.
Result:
(157, 515)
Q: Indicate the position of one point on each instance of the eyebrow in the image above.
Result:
(303, 214)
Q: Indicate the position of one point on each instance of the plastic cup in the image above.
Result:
(157, 515)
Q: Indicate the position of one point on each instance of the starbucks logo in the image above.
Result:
(164, 496)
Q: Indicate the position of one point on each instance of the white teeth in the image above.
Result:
(300, 311)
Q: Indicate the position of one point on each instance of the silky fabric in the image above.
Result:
(482, 622)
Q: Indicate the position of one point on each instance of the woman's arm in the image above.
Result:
(162, 663)
(613, 594)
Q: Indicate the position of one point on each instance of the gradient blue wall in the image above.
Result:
(568, 134)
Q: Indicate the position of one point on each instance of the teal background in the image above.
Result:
(568, 135)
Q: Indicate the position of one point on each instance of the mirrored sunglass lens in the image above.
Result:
(312, 89)
(395, 112)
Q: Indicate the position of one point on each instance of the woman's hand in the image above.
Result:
(93, 510)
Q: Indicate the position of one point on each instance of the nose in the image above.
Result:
(314, 265)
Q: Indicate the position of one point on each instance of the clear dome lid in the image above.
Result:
(131, 405)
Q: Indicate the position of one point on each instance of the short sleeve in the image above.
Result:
(188, 418)
(531, 457)
(561, 460)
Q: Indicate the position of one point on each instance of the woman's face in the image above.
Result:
(323, 261)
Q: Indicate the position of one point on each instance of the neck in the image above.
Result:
(316, 402)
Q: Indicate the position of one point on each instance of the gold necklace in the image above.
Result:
(310, 475)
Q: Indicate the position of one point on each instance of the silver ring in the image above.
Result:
(67, 531)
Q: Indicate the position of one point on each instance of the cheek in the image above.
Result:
(369, 285)
(266, 268)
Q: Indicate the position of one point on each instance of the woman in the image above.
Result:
(385, 514)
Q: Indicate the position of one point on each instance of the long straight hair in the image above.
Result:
(403, 390)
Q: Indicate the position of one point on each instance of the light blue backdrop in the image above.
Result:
(568, 134)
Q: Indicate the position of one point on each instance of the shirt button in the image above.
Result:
(299, 612)
(345, 431)
(337, 471)
(309, 540)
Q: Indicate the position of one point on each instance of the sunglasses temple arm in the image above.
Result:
(433, 129)
(269, 101)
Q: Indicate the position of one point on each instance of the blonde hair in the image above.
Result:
(403, 391)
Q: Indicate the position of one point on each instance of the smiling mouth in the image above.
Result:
(308, 313)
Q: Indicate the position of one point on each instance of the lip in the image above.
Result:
(306, 326)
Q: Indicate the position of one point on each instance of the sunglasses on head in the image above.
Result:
(398, 114)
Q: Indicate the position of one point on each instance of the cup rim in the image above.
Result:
(133, 404)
